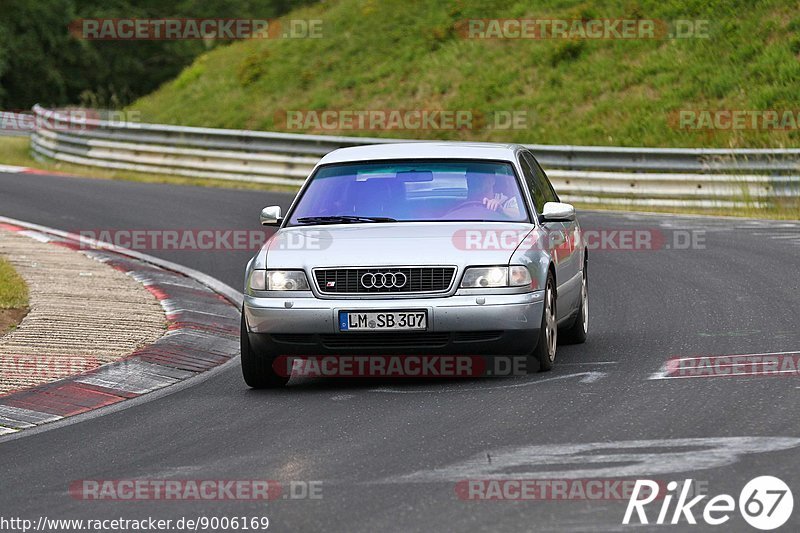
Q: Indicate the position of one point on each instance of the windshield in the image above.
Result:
(411, 191)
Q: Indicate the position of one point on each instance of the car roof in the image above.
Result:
(423, 150)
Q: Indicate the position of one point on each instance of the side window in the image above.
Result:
(546, 182)
(532, 182)
(541, 179)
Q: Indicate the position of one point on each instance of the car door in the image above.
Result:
(562, 239)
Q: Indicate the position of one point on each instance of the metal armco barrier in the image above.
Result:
(590, 174)
(15, 124)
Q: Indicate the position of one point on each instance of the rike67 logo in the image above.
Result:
(765, 503)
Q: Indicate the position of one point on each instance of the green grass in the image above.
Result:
(408, 55)
(15, 151)
(13, 291)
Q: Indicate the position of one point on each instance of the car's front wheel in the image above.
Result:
(257, 369)
(544, 354)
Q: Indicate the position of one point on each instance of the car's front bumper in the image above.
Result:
(491, 324)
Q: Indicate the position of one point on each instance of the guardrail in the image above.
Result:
(591, 174)
(16, 124)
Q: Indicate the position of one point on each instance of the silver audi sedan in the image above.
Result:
(434, 248)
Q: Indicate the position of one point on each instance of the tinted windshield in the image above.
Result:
(412, 191)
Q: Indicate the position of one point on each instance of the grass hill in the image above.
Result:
(406, 55)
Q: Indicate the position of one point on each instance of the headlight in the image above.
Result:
(286, 280)
(278, 280)
(498, 276)
(478, 277)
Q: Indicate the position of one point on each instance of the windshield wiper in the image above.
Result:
(342, 219)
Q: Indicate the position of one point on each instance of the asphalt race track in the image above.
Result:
(389, 454)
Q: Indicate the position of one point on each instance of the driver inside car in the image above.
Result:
(481, 188)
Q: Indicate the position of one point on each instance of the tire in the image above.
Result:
(257, 369)
(576, 333)
(544, 354)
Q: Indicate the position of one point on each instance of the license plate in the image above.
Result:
(383, 320)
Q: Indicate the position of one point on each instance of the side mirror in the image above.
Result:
(558, 212)
(271, 216)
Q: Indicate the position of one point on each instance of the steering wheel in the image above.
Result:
(469, 205)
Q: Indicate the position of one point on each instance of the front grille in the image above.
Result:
(417, 279)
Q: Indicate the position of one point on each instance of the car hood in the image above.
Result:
(384, 244)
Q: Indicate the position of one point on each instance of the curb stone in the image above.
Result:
(202, 333)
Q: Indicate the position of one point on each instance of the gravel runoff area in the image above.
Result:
(83, 313)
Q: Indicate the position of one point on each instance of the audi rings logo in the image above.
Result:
(383, 280)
